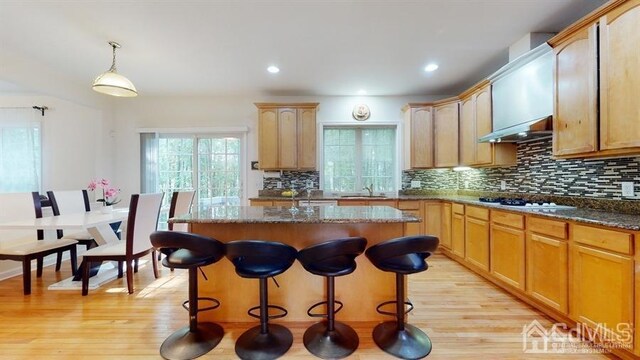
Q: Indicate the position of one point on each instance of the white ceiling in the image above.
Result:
(326, 47)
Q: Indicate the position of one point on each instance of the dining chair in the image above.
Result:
(28, 245)
(144, 210)
(180, 205)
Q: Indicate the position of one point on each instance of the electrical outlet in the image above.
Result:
(415, 184)
(627, 189)
(279, 185)
(503, 185)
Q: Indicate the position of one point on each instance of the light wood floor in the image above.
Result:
(465, 316)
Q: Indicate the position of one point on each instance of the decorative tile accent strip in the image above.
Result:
(300, 178)
(536, 172)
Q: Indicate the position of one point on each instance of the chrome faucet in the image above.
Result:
(369, 189)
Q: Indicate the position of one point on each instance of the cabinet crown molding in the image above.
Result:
(446, 101)
(587, 20)
(467, 93)
(305, 105)
(416, 105)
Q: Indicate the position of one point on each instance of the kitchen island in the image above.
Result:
(360, 291)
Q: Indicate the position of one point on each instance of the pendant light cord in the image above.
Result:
(113, 62)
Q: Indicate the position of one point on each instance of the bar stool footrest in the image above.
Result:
(324, 315)
(215, 302)
(283, 312)
(393, 313)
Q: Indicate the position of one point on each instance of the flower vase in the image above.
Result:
(106, 209)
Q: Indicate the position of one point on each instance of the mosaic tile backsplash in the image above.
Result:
(300, 178)
(537, 173)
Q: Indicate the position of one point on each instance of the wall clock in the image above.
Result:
(361, 112)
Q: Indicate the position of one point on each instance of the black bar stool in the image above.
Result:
(257, 259)
(402, 256)
(331, 339)
(190, 251)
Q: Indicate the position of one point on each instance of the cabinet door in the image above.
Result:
(547, 271)
(484, 125)
(507, 255)
(268, 139)
(422, 137)
(445, 231)
(477, 242)
(575, 118)
(413, 228)
(433, 219)
(601, 288)
(457, 234)
(261, 203)
(307, 139)
(446, 135)
(287, 138)
(467, 132)
(620, 77)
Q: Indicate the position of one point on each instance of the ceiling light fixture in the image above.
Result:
(431, 67)
(112, 83)
(273, 69)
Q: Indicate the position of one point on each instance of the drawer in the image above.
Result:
(261, 203)
(508, 219)
(478, 212)
(557, 229)
(391, 203)
(602, 238)
(457, 208)
(409, 205)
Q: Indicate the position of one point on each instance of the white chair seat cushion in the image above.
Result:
(80, 235)
(36, 246)
(118, 249)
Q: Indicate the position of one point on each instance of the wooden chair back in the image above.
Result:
(19, 206)
(144, 211)
(180, 205)
(69, 201)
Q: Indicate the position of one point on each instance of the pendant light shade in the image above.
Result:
(112, 83)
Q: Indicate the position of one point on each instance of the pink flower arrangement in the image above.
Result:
(108, 193)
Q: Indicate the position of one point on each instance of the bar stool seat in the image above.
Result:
(402, 256)
(258, 259)
(331, 339)
(190, 251)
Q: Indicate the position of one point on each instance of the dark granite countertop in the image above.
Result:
(281, 214)
(582, 215)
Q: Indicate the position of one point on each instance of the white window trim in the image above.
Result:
(335, 124)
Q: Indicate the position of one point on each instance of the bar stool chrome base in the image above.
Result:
(184, 344)
(336, 344)
(255, 345)
(410, 343)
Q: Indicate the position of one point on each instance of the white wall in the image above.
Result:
(183, 112)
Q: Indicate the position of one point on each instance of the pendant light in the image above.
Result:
(112, 83)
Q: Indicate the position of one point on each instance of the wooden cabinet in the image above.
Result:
(601, 290)
(477, 237)
(445, 230)
(575, 115)
(547, 270)
(286, 203)
(414, 207)
(432, 211)
(620, 77)
(507, 249)
(445, 138)
(457, 230)
(418, 136)
(475, 122)
(287, 136)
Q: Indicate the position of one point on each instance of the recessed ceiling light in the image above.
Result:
(273, 69)
(431, 67)
(362, 92)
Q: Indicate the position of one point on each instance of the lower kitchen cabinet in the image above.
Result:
(508, 255)
(433, 218)
(601, 290)
(445, 230)
(457, 234)
(477, 242)
(547, 271)
(413, 207)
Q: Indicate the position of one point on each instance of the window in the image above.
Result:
(207, 163)
(20, 151)
(359, 157)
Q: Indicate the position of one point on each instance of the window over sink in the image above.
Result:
(355, 158)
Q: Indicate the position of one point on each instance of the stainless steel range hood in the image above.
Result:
(522, 97)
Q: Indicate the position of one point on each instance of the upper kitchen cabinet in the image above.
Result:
(607, 41)
(418, 136)
(445, 134)
(475, 122)
(287, 136)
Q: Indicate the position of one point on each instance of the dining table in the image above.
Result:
(96, 222)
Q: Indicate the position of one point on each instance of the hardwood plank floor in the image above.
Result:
(465, 316)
